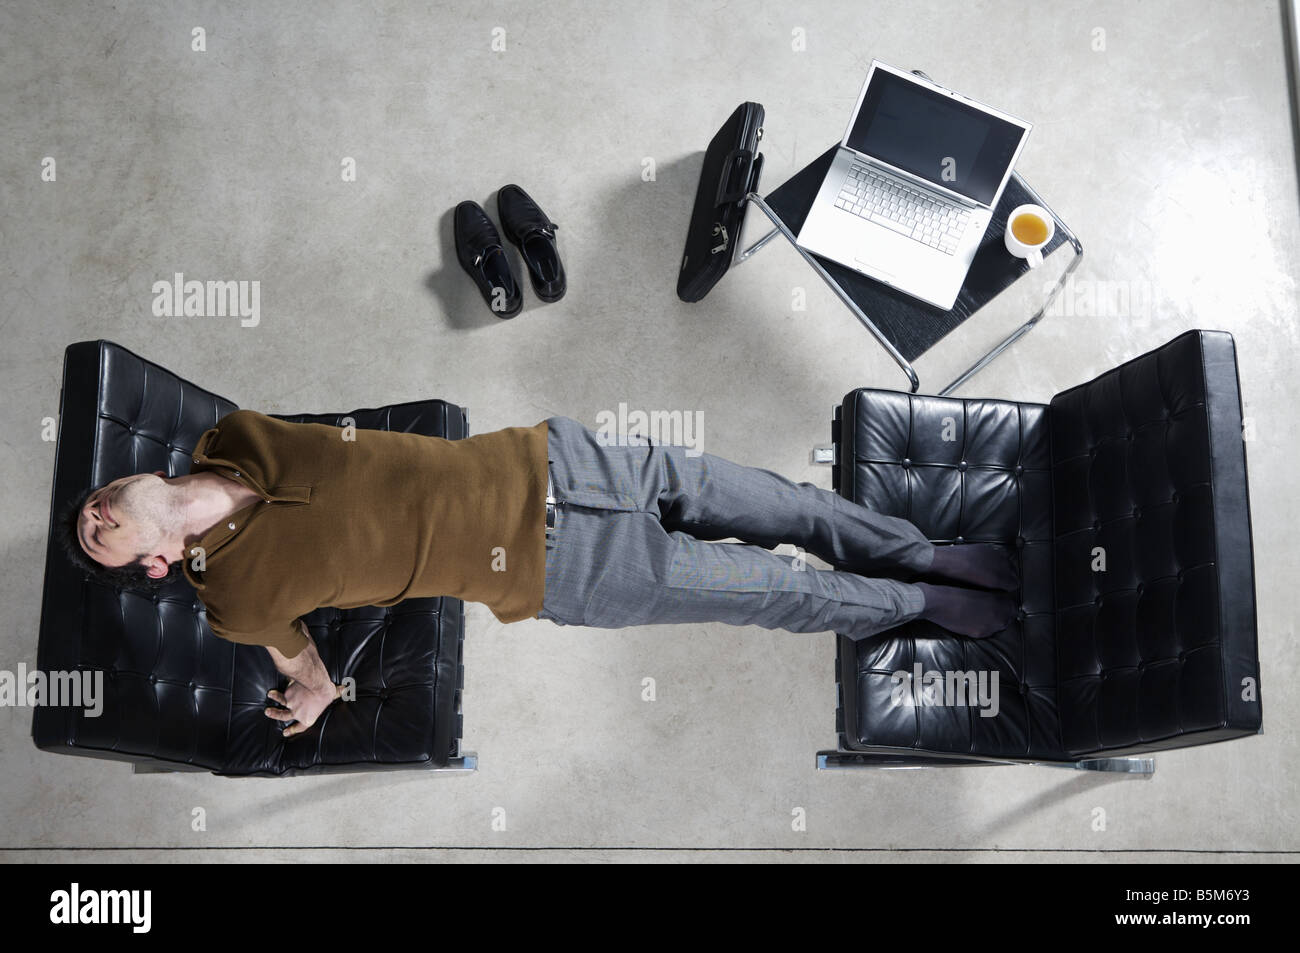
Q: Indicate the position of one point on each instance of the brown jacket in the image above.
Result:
(370, 520)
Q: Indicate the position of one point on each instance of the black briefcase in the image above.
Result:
(731, 168)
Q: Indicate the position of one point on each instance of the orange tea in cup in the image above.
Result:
(1029, 229)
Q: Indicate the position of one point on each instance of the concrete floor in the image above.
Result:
(1169, 151)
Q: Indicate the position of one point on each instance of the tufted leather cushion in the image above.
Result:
(1149, 471)
(963, 471)
(175, 693)
(1146, 462)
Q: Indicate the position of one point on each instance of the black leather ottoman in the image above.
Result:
(1126, 502)
(176, 696)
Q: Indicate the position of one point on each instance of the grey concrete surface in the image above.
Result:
(1166, 141)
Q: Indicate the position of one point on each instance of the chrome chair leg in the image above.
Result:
(839, 760)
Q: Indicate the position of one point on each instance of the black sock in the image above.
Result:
(967, 611)
(976, 564)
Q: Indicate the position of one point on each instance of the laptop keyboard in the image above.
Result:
(910, 212)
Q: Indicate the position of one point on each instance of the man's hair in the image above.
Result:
(133, 576)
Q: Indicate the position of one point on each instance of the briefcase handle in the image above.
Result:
(735, 178)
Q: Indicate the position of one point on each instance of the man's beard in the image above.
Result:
(147, 505)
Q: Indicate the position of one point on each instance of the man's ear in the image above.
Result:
(156, 567)
(160, 473)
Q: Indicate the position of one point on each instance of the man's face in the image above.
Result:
(124, 521)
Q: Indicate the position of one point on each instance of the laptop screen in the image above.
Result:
(936, 137)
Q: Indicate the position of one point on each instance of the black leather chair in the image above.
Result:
(1126, 501)
(176, 696)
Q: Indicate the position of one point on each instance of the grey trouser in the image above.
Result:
(631, 544)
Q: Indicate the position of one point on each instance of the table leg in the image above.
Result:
(849, 303)
(755, 247)
(1029, 325)
(1025, 328)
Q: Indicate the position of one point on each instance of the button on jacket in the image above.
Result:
(359, 517)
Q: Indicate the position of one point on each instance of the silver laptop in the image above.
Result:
(913, 185)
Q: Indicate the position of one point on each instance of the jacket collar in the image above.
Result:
(249, 474)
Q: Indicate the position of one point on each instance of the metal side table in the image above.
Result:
(905, 326)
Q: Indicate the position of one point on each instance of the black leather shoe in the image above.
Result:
(479, 249)
(531, 229)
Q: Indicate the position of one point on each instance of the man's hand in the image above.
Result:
(301, 704)
(309, 692)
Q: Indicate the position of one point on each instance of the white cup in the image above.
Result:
(1031, 253)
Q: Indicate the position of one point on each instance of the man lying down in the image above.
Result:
(276, 519)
